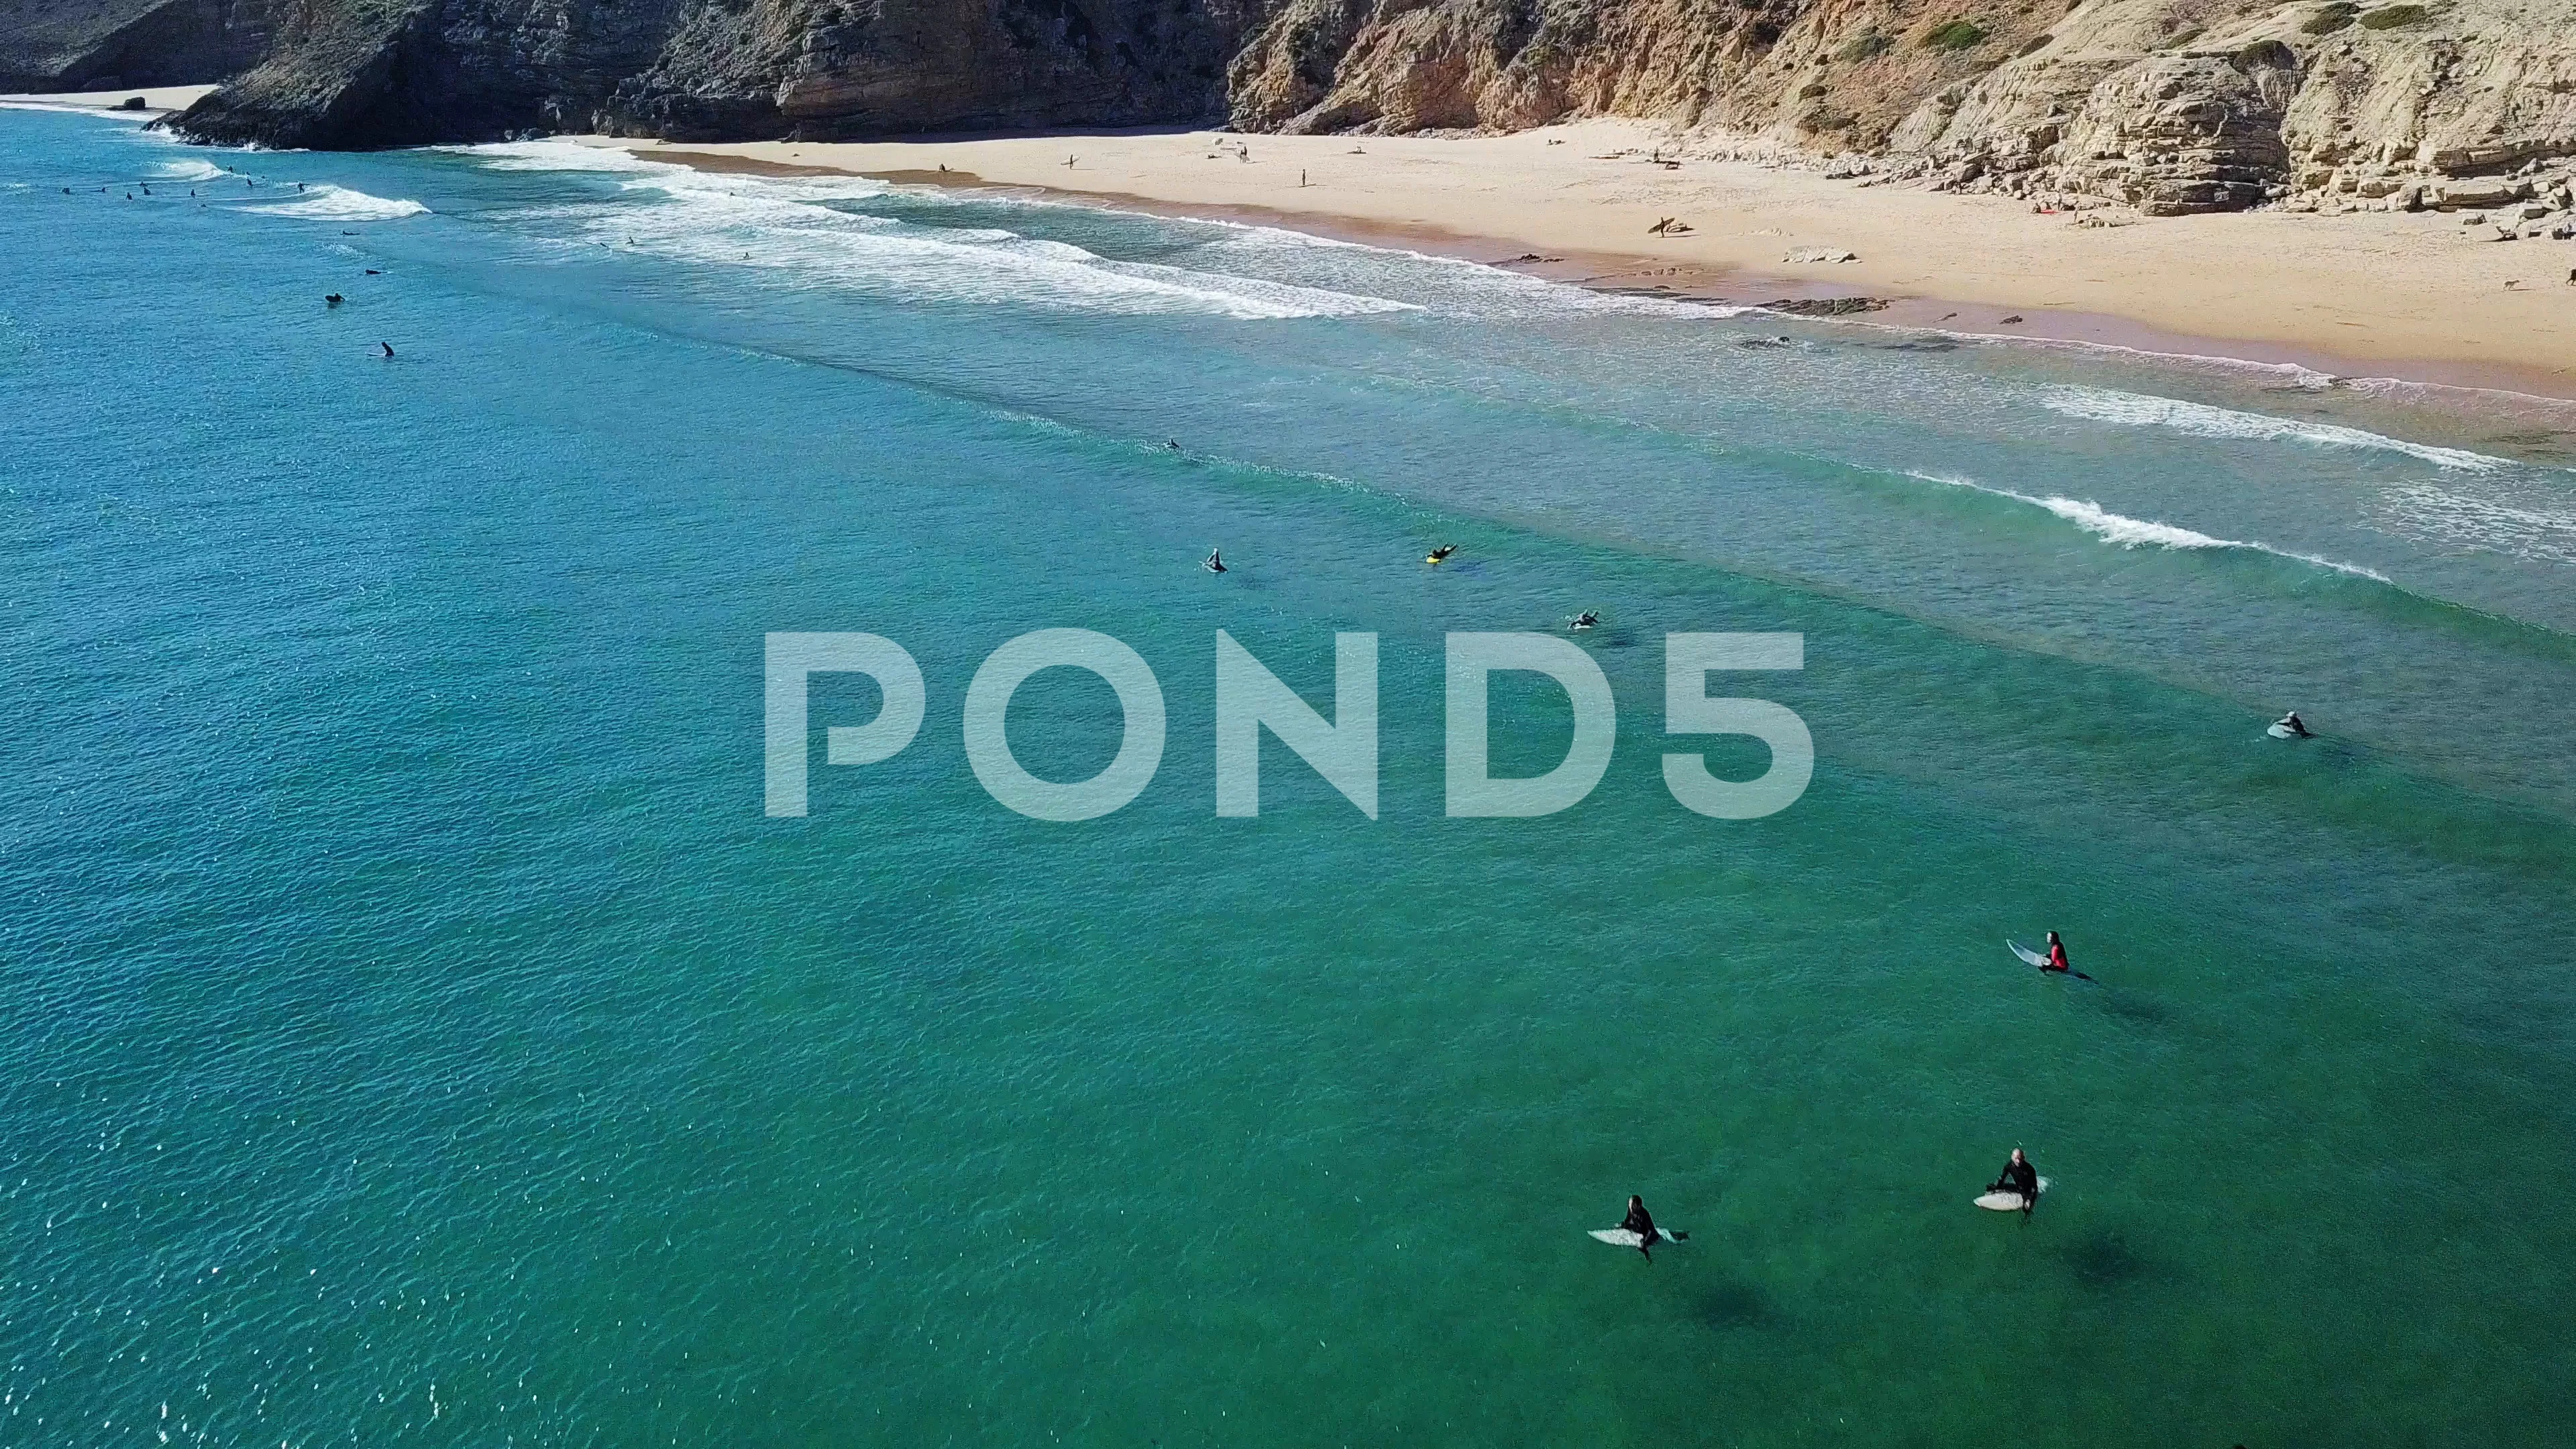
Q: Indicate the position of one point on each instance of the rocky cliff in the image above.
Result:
(79, 45)
(2168, 105)
(392, 72)
(2165, 105)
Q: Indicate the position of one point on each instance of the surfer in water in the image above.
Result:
(2021, 1178)
(1440, 553)
(2056, 962)
(2293, 724)
(1584, 620)
(1212, 563)
(1642, 1223)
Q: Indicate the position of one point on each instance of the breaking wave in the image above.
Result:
(790, 226)
(2146, 410)
(326, 202)
(2126, 532)
(558, 156)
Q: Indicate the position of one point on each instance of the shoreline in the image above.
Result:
(157, 100)
(2394, 297)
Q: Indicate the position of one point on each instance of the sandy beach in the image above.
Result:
(2384, 294)
(157, 100)
(2422, 297)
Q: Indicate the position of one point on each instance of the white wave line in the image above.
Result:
(2143, 409)
(326, 202)
(2127, 532)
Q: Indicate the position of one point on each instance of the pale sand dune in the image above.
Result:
(155, 98)
(2389, 294)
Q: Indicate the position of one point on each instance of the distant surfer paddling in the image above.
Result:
(2293, 724)
(1585, 620)
(2020, 1179)
(1212, 563)
(1440, 554)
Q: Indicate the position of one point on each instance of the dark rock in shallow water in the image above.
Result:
(1825, 306)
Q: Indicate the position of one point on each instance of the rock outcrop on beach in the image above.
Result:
(2167, 106)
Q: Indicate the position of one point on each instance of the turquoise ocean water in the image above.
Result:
(416, 1033)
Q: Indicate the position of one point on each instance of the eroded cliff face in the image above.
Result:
(2252, 102)
(392, 72)
(80, 45)
(857, 67)
(2165, 105)
(1830, 73)
(2171, 106)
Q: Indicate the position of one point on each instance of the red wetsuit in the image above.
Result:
(2057, 958)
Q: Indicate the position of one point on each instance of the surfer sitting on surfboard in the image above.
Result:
(2019, 1176)
(2293, 724)
(2056, 962)
(1642, 1223)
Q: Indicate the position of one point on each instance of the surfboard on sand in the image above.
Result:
(1627, 1238)
(2001, 1202)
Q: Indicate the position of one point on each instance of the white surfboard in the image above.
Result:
(1627, 1237)
(2281, 732)
(2001, 1202)
(2036, 958)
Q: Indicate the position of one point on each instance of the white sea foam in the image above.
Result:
(785, 225)
(2126, 532)
(186, 171)
(323, 201)
(1450, 285)
(2543, 534)
(1328, 277)
(2146, 410)
(558, 156)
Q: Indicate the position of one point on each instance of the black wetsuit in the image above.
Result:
(1642, 1223)
(2022, 1178)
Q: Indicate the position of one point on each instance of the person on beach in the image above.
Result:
(2019, 1177)
(2056, 962)
(2294, 724)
